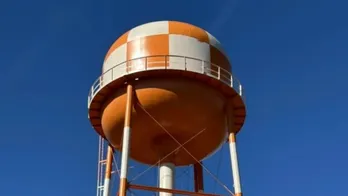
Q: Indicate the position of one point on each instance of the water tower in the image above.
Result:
(167, 94)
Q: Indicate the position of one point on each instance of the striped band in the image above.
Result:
(166, 38)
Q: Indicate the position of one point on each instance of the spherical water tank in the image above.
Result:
(182, 83)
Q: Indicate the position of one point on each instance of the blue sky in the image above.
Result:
(290, 55)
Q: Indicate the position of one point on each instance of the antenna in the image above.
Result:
(166, 96)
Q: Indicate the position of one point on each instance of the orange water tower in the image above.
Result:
(167, 94)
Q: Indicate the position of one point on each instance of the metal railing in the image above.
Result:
(170, 62)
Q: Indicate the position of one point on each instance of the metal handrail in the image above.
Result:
(206, 68)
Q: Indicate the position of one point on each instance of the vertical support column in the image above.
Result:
(233, 151)
(234, 162)
(166, 175)
(126, 141)
(108, 169)
(198, 177)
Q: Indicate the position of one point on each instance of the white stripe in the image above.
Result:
(182, 45)
(119, 55)
(125, 151)
(148, 29)
(106, 191)
(235, 169)
(110, 70)
(166, 175)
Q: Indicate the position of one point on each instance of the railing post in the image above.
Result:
(219, 72)
(145, 63)
(92, 91)
(185, 63)
(100, 82)
(203, 67)
(165, 62)
(231, 80)
(88, 101)
(240, 90)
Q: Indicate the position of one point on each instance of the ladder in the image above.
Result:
(101, 166)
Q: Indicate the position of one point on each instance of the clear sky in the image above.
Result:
(290, 55)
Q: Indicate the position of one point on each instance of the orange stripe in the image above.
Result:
(109, 159)
(220, 60)
(129, 106)
(148, 46)
(123, 187)
(119, 42)
(182, 28)
(198, 176)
